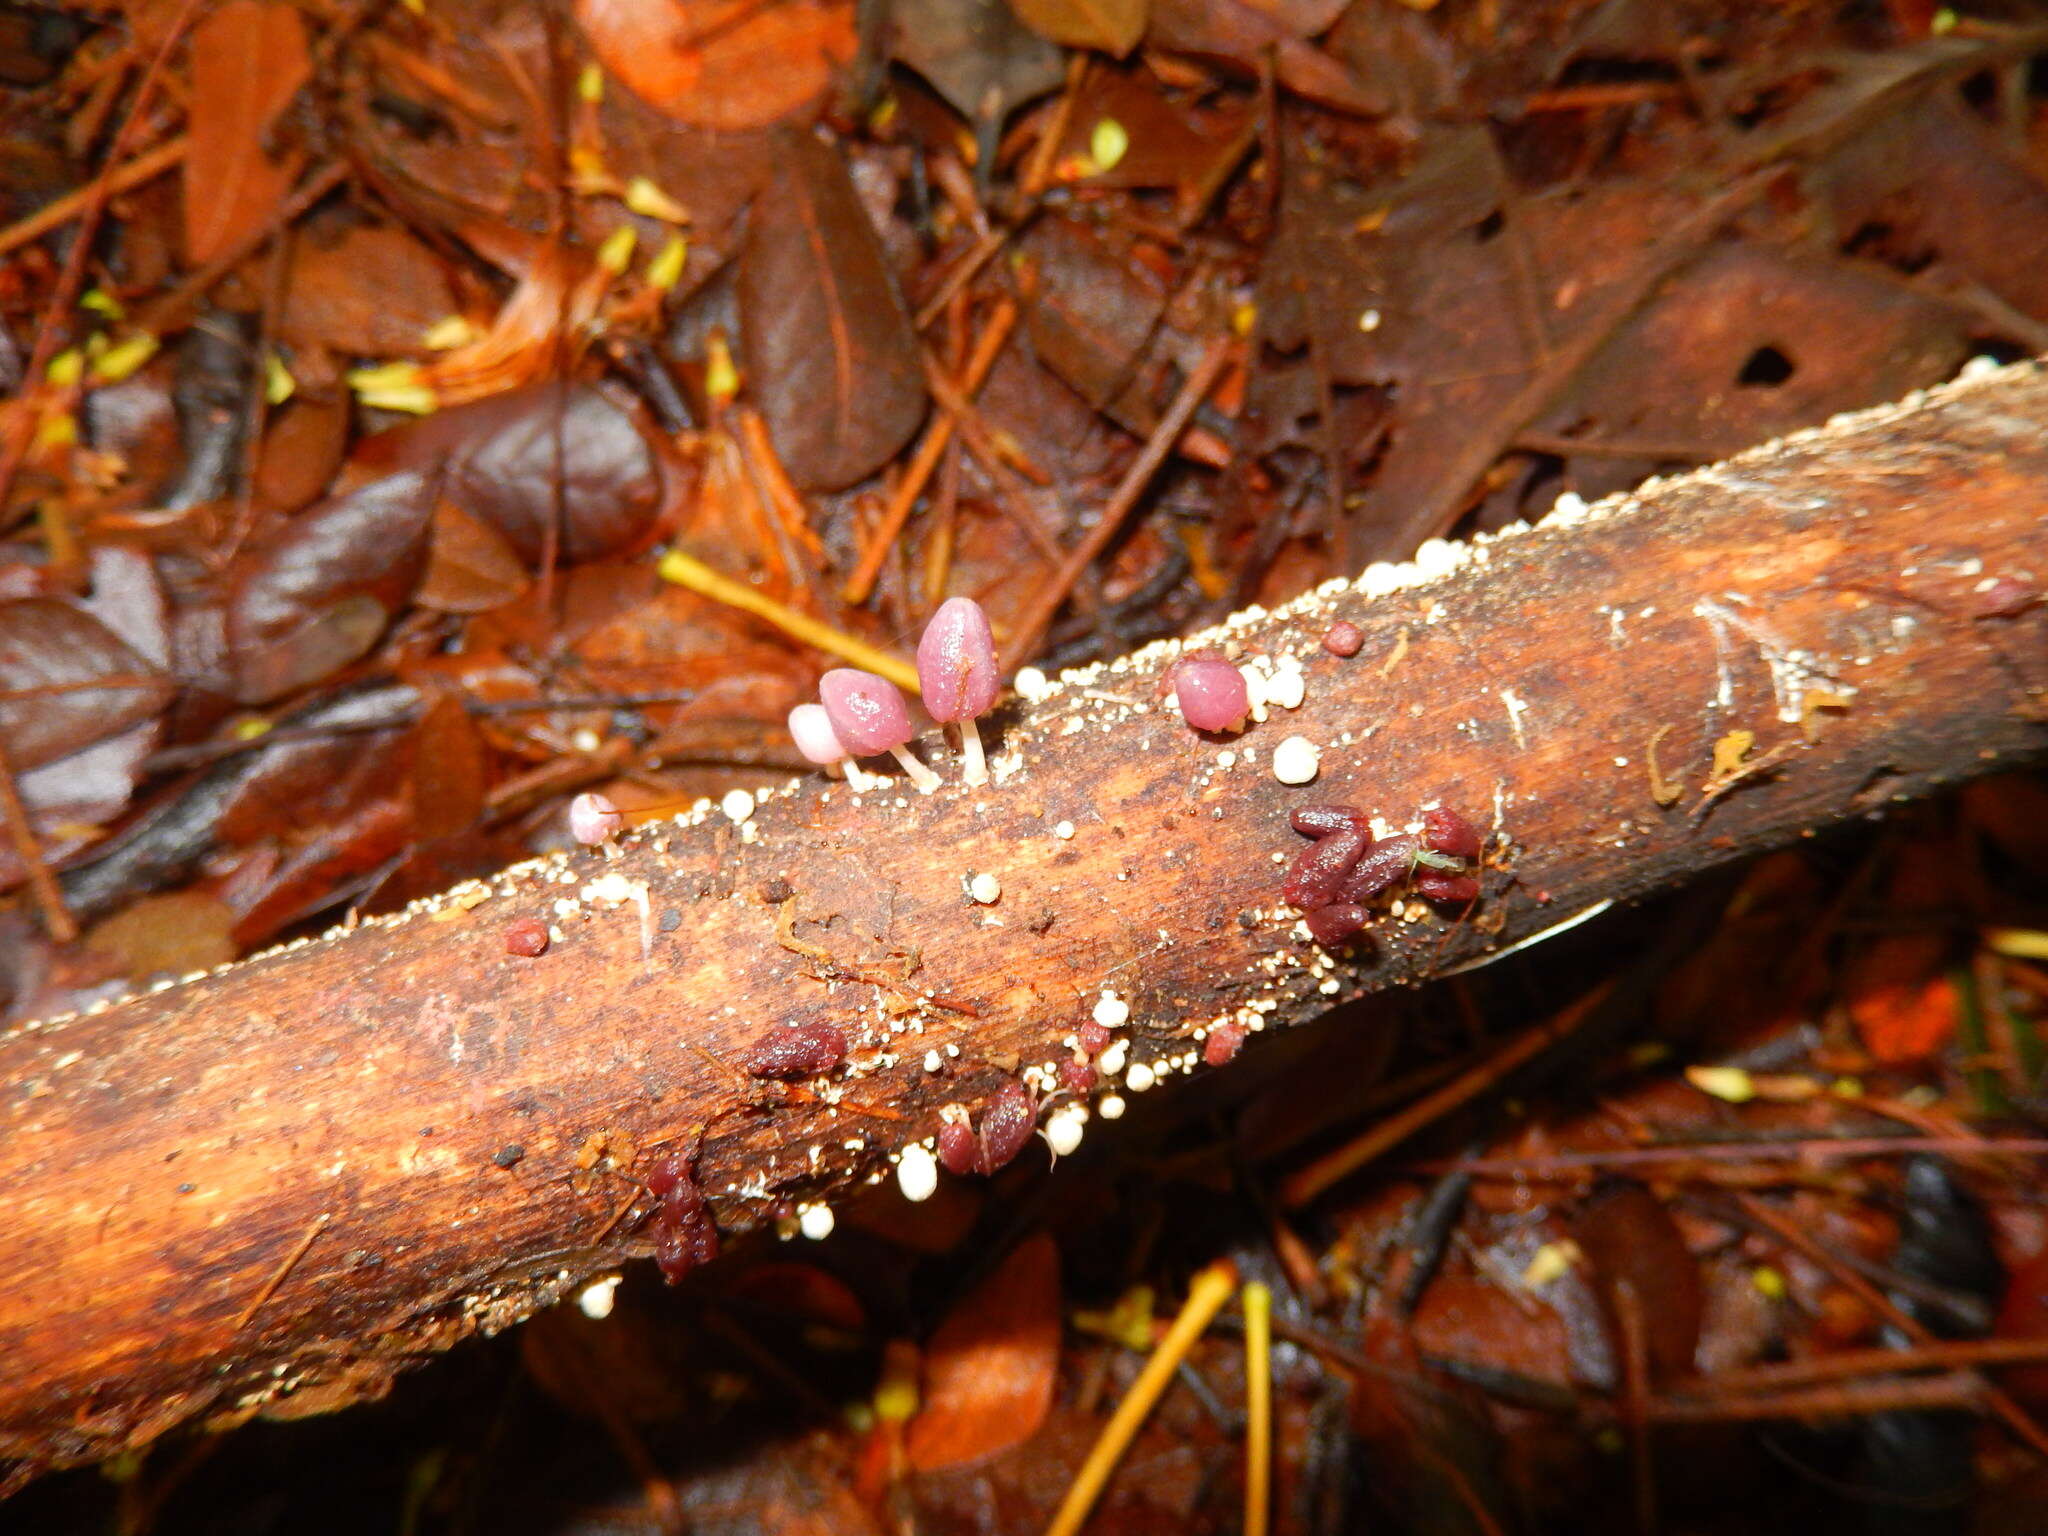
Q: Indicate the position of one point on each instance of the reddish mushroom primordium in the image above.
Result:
(1211, 693)
(956, 673)
(595, 822)
(868, 715)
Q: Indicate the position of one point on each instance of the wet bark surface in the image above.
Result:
(270, 1187)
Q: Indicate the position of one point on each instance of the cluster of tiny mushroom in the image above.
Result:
(861, 714)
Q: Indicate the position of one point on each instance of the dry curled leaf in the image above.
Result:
(726, 64)
(248, 61)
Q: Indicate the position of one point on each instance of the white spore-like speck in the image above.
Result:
(1111, 1011)
(917, 1173)
(1032, 684)
(815, 1222)
(1296, 760)
(595, 1299)
(1140, 1077)
(738, 805)
(1063, 1129)
(1111, 1107)
(1064, 831)
(985, 888)
(1113, 1057)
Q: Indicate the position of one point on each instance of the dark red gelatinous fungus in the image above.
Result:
(1222, 1045)
(1444, 885)
(1006, 1126)
(1094, 1037)
(956, 1147)
(1334, 925)
(1076, 1076)
(1322, 820)
(791, 1051)
(684, 1234)
(1387, 865)
(1344, 639)
(526, 936)
(1445, 831)
(956, 662)
(1320, 870)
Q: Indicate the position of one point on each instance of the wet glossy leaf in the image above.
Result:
(1246, 35)
(471, 567)
(830, 354)
(989, 1369)
(248, 61)
(70, 799)
(84, 683)
(520, 460)
(1114, 26)
(368, 289)
(302, 449)
(321, 593)
(727, 64)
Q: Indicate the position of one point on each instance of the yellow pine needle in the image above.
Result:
(1211, 1288)
(2019, 943)
(700, 578)
(1258, 1407)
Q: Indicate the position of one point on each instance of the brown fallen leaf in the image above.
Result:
(989, 1370)
(727, 64)
(248, 61)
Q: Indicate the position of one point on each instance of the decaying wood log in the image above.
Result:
(270, 1187)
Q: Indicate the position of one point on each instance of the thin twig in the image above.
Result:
(291, 1262)
(926, 459)
(1307, 1183)
(56, 213)
(56, 916)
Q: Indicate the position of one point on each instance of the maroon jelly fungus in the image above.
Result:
(957, 1150)
(1445, 831)
(1222, 1045)
(1076, 1075)
(684, 1234)
(526, 936)
(1211, 693)
(1320, 870)
(1094, 1037)
(1335, 925)
(1006, 1126)
(1443, 885)
(792, 1051)
(1322, 820)
(1386, 866)
(1344, 639)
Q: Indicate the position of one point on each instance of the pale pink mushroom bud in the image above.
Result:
(1211, 693)
(868, 715)
(956, 672)
(594, 821)
(811, 729)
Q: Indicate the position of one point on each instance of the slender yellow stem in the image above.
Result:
(1211, 1288)
(1258, 1407)
(698, 577)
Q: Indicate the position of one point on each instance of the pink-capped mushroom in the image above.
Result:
(811, 729)
(596, 823)
(956, 673)
(1211, 693)
(868, 715)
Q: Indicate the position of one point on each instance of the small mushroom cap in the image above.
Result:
(811, 728)
(867, 712)
(1211, 693)
(956, 662)
(593, 819)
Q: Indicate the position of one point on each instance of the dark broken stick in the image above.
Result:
(466, 1119)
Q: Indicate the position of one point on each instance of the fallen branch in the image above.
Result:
(269, 1187)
